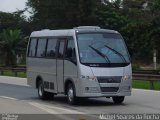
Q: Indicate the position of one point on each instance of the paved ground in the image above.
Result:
(17, 97)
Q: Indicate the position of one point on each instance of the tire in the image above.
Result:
(118, 99)
(71, 96)
(42, 94)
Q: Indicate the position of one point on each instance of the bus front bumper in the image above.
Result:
(104, 91)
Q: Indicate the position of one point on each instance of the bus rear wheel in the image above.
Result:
(71, 97)
(42, 94)
(118, 99)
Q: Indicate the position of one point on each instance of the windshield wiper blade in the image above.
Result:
(122, 57)
(101, 54)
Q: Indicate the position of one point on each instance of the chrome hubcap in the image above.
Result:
(40, 90)
(70, 94)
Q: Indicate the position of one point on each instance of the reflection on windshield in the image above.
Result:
(116, 52)
(101, 54)
(102, 48)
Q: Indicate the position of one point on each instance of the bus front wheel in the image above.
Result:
(118, 99)
(71, 94)
(42, 93)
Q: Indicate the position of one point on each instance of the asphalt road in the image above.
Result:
(16, 97)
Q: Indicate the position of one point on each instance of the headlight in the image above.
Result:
(126, 77)
(88, 77)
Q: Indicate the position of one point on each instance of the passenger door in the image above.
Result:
(60, 65)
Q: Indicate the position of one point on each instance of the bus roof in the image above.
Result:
(69, 32)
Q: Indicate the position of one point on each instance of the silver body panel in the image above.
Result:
(44, 68)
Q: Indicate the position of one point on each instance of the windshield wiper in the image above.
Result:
(101, 54)
(122, 57)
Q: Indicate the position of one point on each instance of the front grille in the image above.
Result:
(109, 79)
(109, 89)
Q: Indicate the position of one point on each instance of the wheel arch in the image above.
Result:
(38, 78)
(67, 82)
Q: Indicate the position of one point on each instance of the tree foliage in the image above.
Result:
(55, 14)
(12, 45)
(142, 32)
(13, 21)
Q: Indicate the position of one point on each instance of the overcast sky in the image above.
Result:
(12, 5)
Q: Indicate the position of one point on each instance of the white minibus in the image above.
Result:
(85, 61)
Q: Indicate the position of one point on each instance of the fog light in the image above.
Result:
(91, 89)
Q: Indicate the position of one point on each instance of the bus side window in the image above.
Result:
(32, 47)
(51, 48)
(41, 47)
(70, 51)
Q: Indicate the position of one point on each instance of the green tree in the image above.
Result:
(12, 44)
(55, 14)
(109, 15)
(142, 31)
(14, 20)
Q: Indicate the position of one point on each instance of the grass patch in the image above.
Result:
(10, 73)
(145, 84)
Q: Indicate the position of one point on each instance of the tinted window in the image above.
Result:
(70, 51)
(61, 49)
(32, 49)
(51, 48)
(41, 47)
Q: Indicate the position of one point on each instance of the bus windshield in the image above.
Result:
(102, 48)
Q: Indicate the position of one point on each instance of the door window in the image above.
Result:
(70, 51)
(61, 49)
